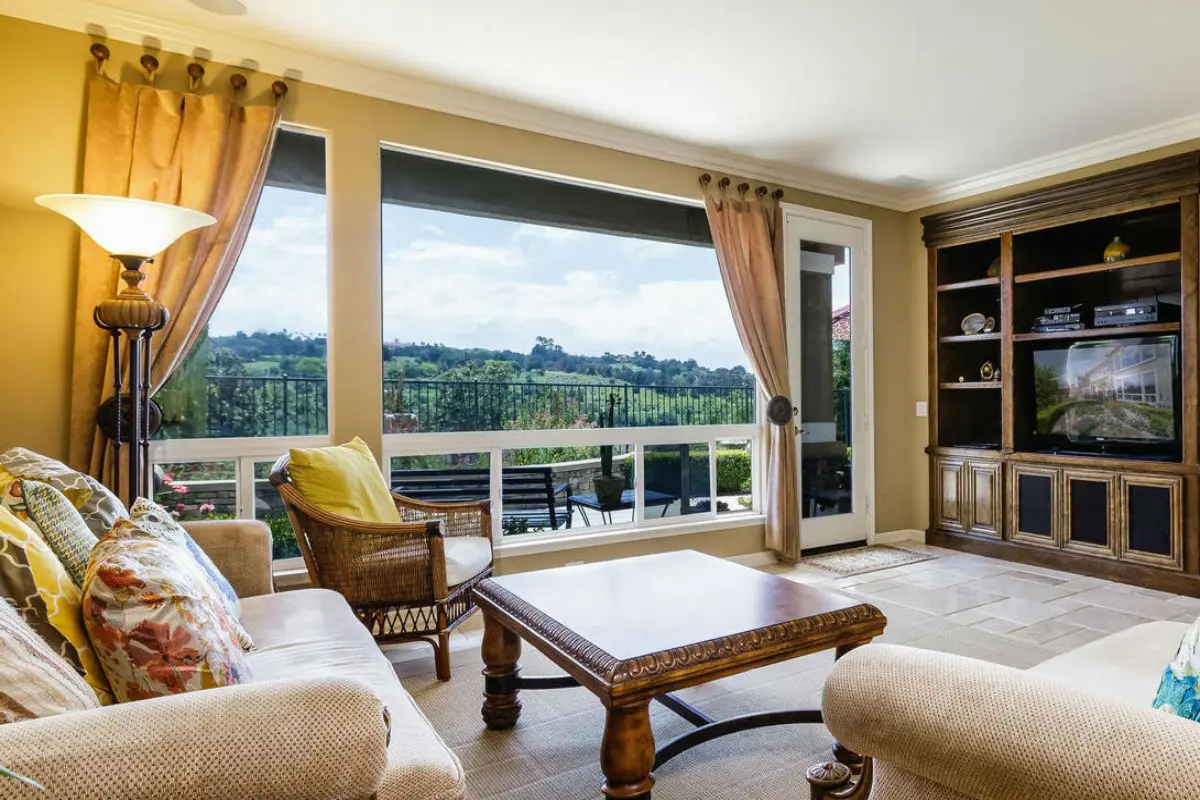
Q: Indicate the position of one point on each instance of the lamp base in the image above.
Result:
(132, 308)
(113, 411)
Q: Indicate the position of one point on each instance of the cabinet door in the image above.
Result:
(984, 497)
(1090, 512)
(949, 511)
(1036, 511)
(1151, 520)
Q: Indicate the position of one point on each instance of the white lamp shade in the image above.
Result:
(124, 226)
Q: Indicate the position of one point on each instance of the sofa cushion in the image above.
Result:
(1125, 667)
(153, 518)
(158, 625)
(466, 557)
(43, 594)
(99, 507)
(343, 480)
(50, 514)
(313, 632)
(34, 680)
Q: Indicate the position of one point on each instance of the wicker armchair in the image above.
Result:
(395, 576)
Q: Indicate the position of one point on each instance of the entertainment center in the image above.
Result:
(1064, 397)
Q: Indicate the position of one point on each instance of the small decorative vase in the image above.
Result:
(608, 491)
(1116, 250)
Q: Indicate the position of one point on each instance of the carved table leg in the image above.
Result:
(501, 653)
(840, 753)
(627, 753)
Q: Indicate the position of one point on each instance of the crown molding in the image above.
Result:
(126, 26)
(1126, 144)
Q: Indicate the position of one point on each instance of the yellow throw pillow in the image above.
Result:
(47, 599)
(344, 480)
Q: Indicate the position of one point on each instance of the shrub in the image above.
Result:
(733, 471)
(662, 471)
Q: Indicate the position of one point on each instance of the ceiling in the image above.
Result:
(900, 103)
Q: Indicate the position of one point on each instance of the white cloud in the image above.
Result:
(648, 249)
(434, 250)
(430, 228)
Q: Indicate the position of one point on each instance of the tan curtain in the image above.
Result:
(746, 230)
(201, 151)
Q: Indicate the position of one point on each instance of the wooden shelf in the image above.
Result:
(954, 287)
(970, 384)
(1098, 333)
(1107, 266)
(994, 336)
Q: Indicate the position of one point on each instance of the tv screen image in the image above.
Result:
(1119, 390)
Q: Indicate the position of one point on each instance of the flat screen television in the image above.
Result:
(1110, 396)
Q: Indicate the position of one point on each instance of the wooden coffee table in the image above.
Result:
(633, 630)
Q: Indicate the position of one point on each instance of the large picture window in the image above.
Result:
(548, 323)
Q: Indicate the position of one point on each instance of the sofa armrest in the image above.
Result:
(241, 549)
(295, 738)
(995, 733)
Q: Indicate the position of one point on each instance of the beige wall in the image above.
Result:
(44, 70)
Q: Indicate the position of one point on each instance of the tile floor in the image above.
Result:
(959, 603)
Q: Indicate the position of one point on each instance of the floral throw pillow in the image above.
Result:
(157, 624)
(99, 507)
(153, 518)
(1177, 689)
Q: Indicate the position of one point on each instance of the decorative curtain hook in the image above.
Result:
(279, 89)
(100, 52)
(150, 65)
(238, 82)
(705, 180)
(195, 72)
(760, 192)
(777, 194)
(723, 183)
(743, 188)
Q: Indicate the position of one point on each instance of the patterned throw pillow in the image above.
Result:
(42, 593)
(158, 625)
(34, 682)
(51, 515)
(153, 518)
(1177, 689)
(99, 507)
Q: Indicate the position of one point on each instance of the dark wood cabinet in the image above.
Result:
(1151, 520)
(1035, 505)
(948, 494)
(1011, 472)
(984, 496)
(1090, 512)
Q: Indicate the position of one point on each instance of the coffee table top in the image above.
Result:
(635, 617)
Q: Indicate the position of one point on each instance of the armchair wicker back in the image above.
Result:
(392, 574)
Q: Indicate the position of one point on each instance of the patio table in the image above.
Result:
(586, 501)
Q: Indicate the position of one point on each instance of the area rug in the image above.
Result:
(553, 752)
(866, 559)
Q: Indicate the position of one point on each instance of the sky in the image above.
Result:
(473, 282)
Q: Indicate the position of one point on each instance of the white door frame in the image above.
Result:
(800, 222)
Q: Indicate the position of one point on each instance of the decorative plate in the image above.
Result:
(973, 323)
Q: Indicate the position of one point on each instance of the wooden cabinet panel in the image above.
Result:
(1035, 514)
(1090, 515)
(983, 495)
(1151, 520)
(949, 508)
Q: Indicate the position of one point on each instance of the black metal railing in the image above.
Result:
(236, 406)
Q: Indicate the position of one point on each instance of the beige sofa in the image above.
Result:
(1077, 727)
(312, 724)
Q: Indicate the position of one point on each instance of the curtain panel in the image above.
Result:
(746, 232)
(206, 152)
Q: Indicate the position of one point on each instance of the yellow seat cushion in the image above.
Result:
(344, 480)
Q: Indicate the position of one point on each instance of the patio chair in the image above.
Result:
(408, 581)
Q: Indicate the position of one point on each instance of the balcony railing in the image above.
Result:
(243, 406)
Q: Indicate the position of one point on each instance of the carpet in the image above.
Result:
(866, 559)
(553, 752)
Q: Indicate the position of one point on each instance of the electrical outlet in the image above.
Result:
(922, 408)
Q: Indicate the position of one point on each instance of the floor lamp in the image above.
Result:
(132, 232)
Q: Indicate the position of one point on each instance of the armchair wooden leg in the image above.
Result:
(441, 656)
(833, 780)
